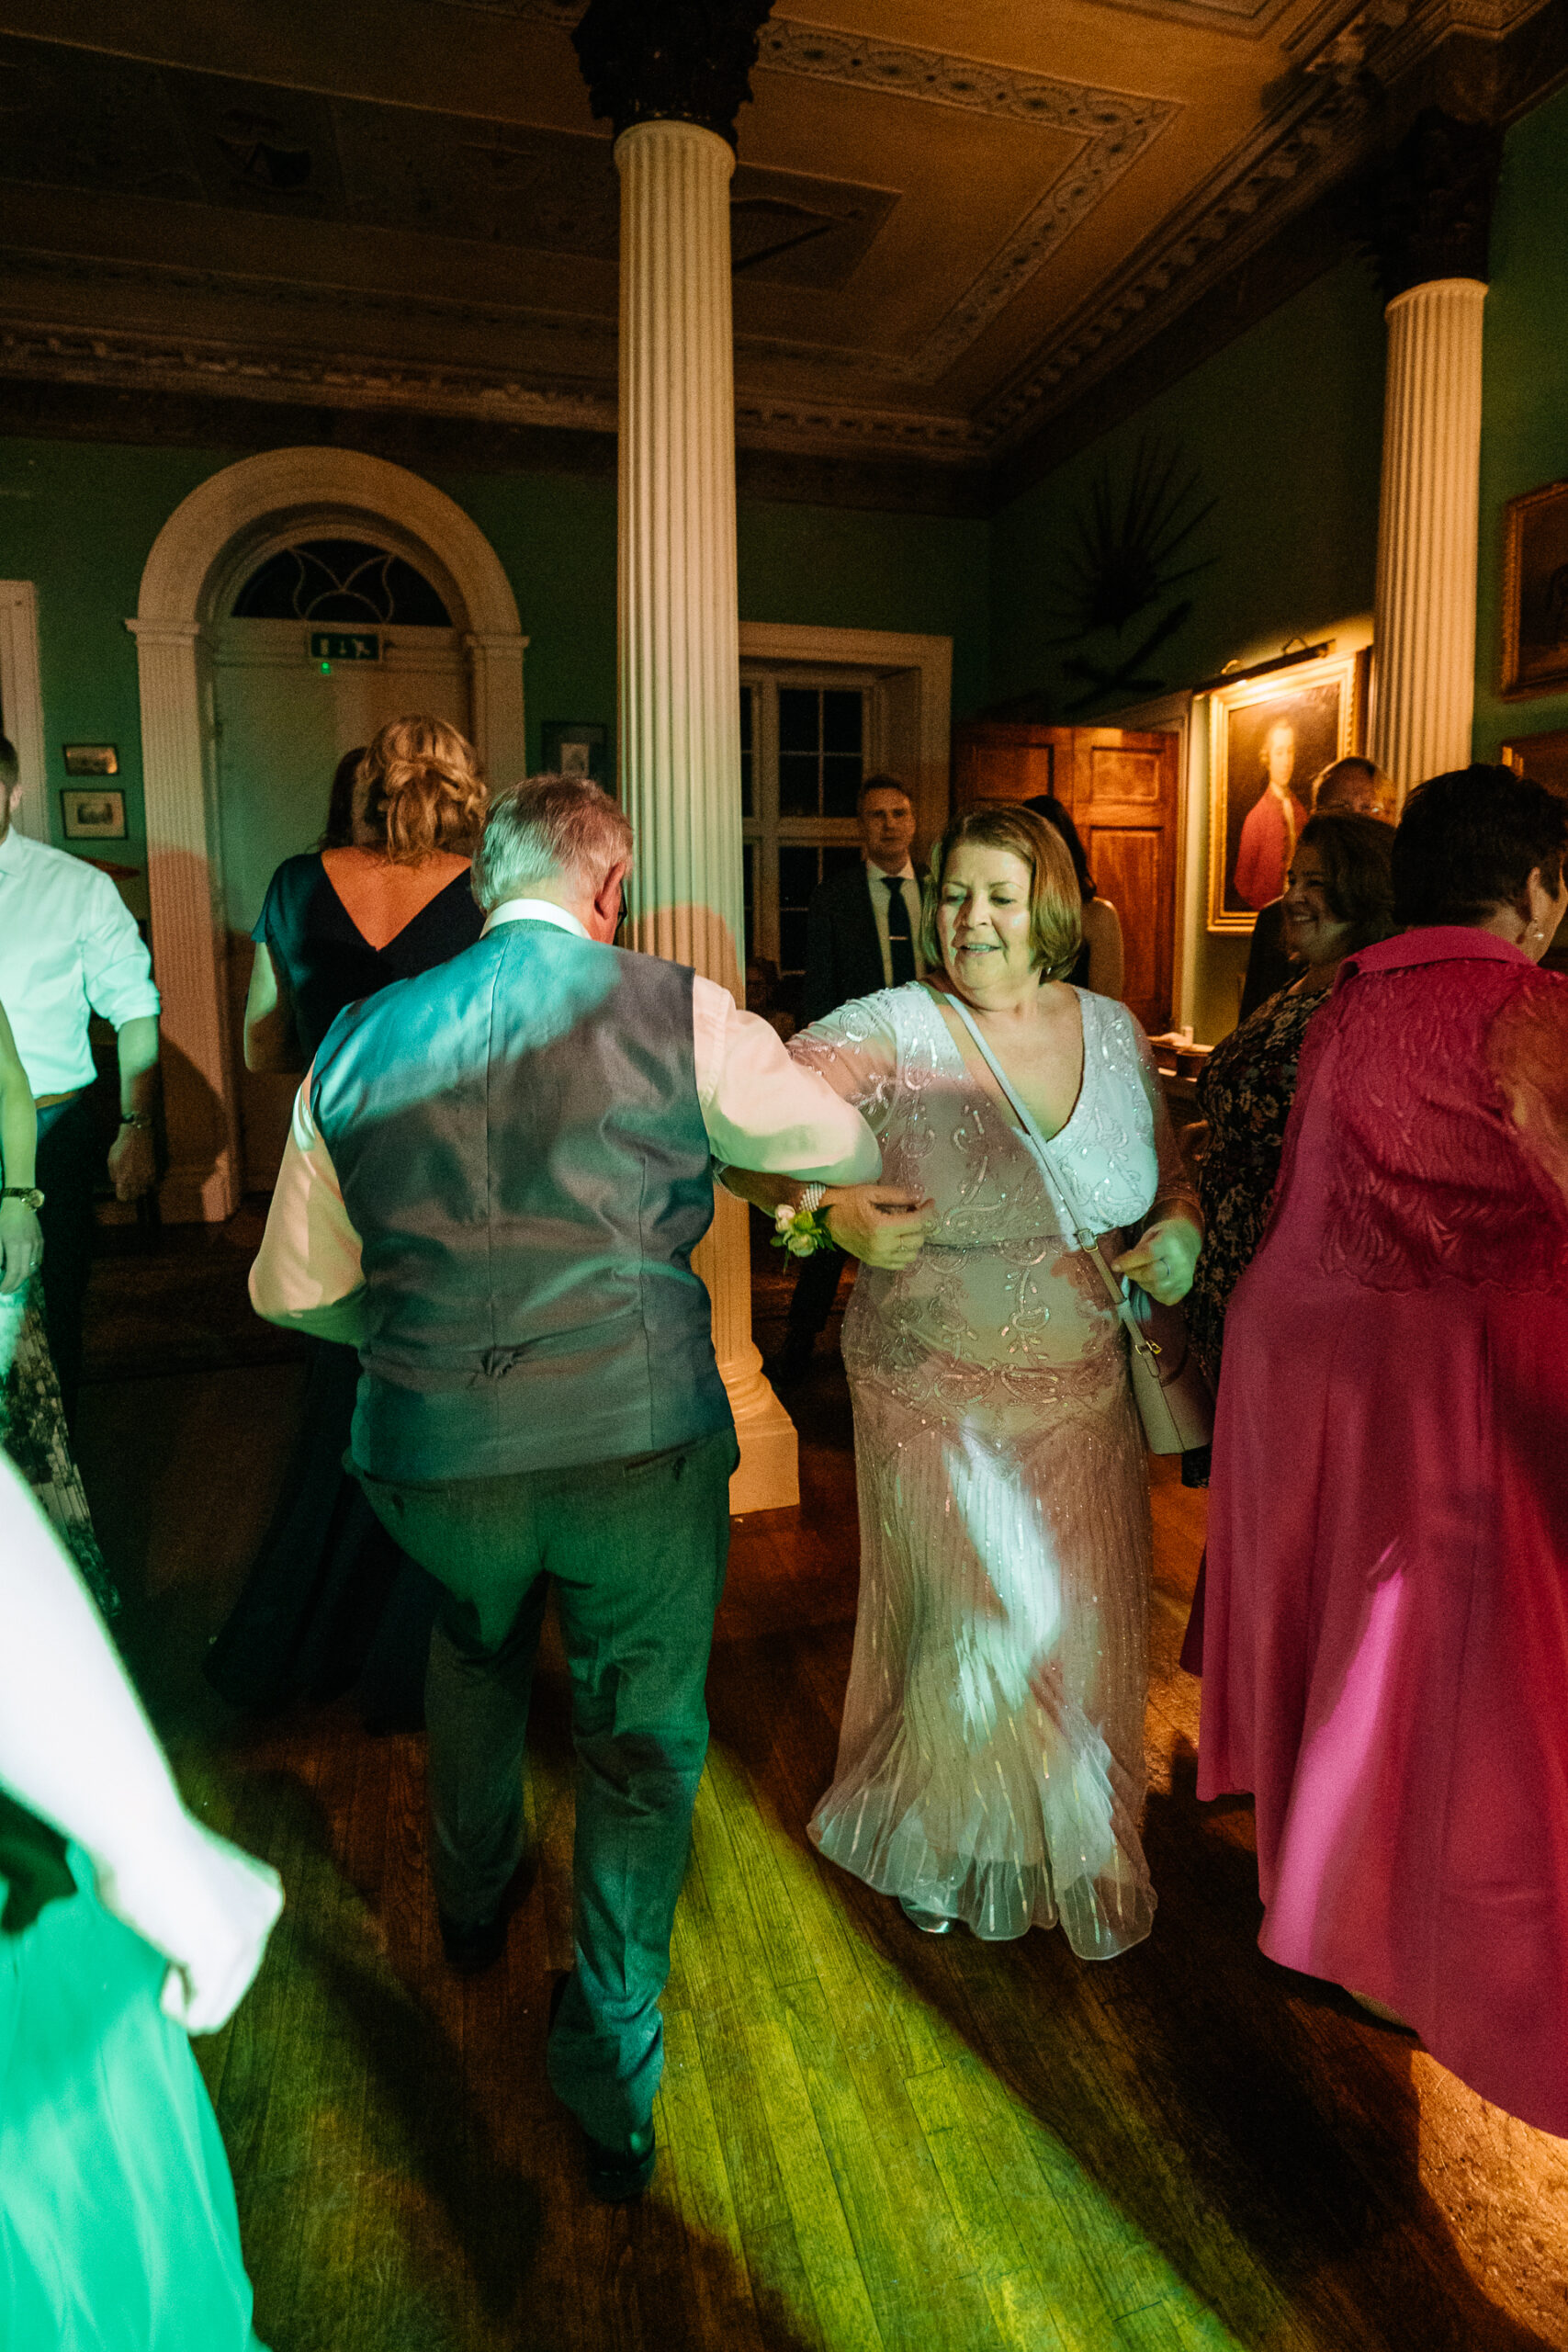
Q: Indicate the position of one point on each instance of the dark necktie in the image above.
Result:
(898, 938)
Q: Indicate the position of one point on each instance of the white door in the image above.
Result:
(283, 721)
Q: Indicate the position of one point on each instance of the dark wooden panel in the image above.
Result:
(1124, 803)
(1126, 867)
(1122, 771)
(1000, 763)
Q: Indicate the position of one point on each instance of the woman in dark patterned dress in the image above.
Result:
(32, 1417)
(1338, 898)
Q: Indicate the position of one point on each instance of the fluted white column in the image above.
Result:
(680, 657)
(1425, 640)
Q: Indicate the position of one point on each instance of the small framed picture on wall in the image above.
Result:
(1269, 737)
(90, 758)
(578, 747)
(1535, 592)
(93, 814)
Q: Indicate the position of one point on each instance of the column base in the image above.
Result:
(768, 1475)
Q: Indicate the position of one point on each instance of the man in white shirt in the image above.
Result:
(69, 948)
(496, 1175)
(862, 935)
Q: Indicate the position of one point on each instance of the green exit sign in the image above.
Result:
(327, 646)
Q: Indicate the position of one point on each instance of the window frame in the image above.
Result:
(765, 832)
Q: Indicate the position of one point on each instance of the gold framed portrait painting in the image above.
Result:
(1535, 592)
(1269, 737)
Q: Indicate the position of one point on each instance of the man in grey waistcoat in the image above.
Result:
(495, 1178)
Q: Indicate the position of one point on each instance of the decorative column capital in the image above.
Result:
(163, 632)
(1430, 208)
(495, 642)
(669, 61)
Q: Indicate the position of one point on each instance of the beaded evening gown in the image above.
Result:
(990, 1764)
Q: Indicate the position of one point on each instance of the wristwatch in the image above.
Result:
(28, 1194)
(136, 1119)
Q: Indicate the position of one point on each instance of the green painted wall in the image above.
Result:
(835, 568)
(79, 519)
(1283, 426)
(1525, 414)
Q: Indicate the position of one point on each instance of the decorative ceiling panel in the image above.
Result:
(79, 120)
(934, 252)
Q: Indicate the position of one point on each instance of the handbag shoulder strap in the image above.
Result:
(1088, 1241)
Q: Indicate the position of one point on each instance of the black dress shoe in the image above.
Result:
(614, 2174)
(472, 1950)
(617, 2174)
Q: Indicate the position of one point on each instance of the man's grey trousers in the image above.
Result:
(636, 1550)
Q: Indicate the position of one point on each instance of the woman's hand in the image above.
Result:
(21, 1245)
(1164, 1261)
(883, 1225)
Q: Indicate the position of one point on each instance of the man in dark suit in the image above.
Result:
(863, 933)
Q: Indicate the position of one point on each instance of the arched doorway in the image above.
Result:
(235, 542)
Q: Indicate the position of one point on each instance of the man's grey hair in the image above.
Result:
(551, 829)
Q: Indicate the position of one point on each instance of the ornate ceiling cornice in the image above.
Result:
(1114, 126)
(582, 328)
(1287, 161)
(190, 364)
(1328, 119)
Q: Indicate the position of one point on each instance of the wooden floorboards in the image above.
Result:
(869, 2138)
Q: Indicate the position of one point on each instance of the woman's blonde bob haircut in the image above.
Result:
(419, 789)
(1056, 902)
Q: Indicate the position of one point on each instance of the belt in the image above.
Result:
(48, 1102)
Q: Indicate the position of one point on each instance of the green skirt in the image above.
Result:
(117, 2227)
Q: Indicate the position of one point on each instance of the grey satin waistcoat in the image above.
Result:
(521, 1152)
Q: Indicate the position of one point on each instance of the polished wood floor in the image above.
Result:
(869, 2140)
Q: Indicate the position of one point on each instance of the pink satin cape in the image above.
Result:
(1386, 1641)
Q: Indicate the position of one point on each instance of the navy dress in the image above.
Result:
(325, 963)
(331, 1603)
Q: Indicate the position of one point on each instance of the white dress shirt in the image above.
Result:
(761, 1109)
(68, 947)
(876, 883)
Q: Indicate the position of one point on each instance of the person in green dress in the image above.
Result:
(125, 1926)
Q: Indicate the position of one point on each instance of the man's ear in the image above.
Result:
(607, 898)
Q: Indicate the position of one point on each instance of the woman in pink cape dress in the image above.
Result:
(1385, 1649)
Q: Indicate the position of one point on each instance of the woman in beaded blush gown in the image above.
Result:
(990, 1763)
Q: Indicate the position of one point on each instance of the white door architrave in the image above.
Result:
(192, 560)
(21, 700)
(911, 699)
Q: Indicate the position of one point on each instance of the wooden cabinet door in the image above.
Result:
(992, 761)
(1120, 787)
(1123, 803)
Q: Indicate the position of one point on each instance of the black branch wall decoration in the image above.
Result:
(1130, 549)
